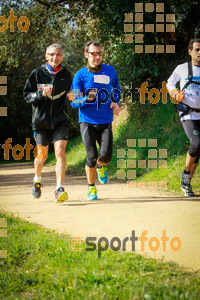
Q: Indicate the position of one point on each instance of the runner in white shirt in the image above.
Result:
(190, 96)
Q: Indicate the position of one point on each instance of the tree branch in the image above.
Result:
(51, 3)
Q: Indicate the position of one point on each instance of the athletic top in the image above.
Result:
(192, 92)
(106, 82)
(48, 111)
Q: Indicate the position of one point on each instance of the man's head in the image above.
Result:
(194, 51)
(93, 53)
(54, 55)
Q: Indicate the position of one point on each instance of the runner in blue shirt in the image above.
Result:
(96, 93)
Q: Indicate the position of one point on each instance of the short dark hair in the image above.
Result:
(95, 43)
(190, 46)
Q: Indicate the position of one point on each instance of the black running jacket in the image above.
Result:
(49, 111)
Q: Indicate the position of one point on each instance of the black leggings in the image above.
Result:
(101, 133)
(192, 130)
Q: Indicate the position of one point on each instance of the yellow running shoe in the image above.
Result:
(102, 175)
(60, 195)
(92, 193)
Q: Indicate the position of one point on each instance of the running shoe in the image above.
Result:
(102, 175)
(92, 193)
(185, 181)
(60, 195)
(36, 189)
(189, 192)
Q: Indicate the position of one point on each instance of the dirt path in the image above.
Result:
(118, 211)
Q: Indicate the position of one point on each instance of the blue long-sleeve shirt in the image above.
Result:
(98, 110)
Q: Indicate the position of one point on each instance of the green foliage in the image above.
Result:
(154, 123)
(104, 20)
(41, 265)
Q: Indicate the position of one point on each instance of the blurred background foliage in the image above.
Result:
(72, 23)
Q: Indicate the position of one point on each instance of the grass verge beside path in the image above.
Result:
(40, 265)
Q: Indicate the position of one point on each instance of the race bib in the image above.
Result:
(102, 79)
(40, 86)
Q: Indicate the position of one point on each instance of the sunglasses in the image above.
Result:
(96, 53)
(55, 54)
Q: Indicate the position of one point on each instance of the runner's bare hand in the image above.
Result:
(92, 94)
(46, 91)
(116, 108)
(71, 96)
(180, 95)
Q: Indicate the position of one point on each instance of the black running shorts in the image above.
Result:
(45, 137)
(192, 130)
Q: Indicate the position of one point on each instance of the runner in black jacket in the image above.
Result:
(46, 90)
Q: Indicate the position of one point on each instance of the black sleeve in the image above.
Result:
(30, 93)
(69, 82)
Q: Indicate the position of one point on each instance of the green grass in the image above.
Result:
(172, 175)
(40, 265)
